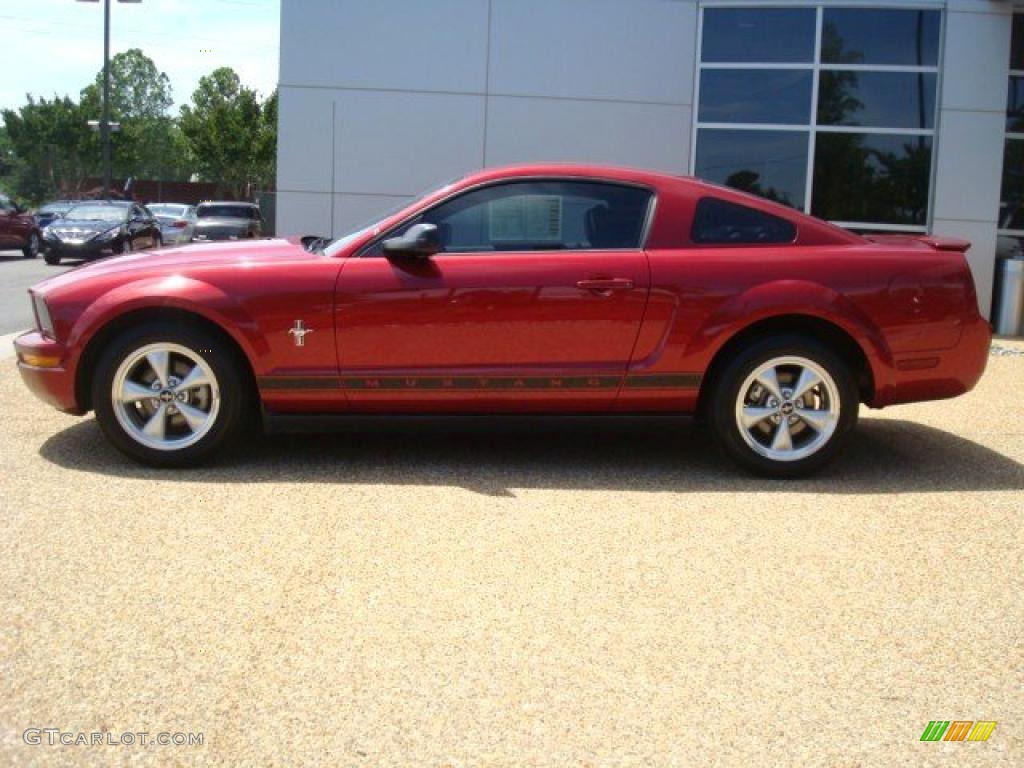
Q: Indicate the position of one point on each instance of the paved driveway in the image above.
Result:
(601, 595)
(17, 275)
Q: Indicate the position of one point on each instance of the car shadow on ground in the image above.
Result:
(492, 457)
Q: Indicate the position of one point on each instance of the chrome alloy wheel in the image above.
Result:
(165, 396)
(788, 408)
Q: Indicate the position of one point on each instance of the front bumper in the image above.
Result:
(52, 382)
(86, 250)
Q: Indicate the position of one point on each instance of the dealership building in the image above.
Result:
(880, 116)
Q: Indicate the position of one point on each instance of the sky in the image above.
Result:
(56, 46)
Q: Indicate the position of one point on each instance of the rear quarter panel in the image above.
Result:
(894, 303)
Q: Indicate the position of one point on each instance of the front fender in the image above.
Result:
(177, 292)
(788, 298)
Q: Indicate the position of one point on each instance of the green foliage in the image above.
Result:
(52, 155)
(232, 135)
(225, 135)
(140, 96)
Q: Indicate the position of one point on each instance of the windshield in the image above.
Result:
(97, 213)
(227, 212)
(333, 247)
(55, 208)
(168, 211)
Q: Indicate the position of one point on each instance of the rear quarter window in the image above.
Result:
(719, 222)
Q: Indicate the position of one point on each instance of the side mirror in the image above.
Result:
(421, 241)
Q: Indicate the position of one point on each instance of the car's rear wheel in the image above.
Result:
(783, 406)
(169, 396)
(31, 249)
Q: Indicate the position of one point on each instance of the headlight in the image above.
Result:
(110, 234)
(43, 319)
(50, 234)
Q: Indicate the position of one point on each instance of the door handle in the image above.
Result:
(605, 284)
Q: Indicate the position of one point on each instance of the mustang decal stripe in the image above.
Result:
(483, 383)
(663, 381)
(299, 382)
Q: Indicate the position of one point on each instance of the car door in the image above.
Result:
(535, 300)
(7, 220)
(153, 233)
(138, 229)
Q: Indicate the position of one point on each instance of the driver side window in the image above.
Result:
(540, 216)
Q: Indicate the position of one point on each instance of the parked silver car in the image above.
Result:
(177, 222)
(228, 221)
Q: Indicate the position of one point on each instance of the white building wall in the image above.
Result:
(381, 101)
(971, 127)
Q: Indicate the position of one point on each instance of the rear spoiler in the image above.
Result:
(945, 243)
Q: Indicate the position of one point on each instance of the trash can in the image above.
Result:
(1008, 318)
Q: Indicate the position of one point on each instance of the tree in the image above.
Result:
(266, 145)
(51, 147)
(140, 97)
(225, 131)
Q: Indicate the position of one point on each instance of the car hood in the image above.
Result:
(179, 261)
(223, 222)
(85, 226)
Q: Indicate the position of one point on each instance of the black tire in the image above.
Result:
(158, 242)
(33, 246)
(235, 406)
(724, 405)
(51, 258)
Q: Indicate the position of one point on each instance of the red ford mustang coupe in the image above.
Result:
(541, 288)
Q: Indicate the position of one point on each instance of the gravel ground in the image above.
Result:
(588, 595)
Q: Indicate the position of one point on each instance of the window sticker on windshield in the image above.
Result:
(526, 218)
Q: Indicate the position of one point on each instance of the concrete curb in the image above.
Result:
(7, 344)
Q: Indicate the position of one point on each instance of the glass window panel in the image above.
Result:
(541, 216)
(1009, 247)
(772, 164)
(1011, 205)
(869, 36)
(720, 222)
(877, 99)
(779, 96)
(882, 179)
(1017, 44)
(766, 35)
(1015, 105)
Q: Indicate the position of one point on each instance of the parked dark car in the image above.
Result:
(228, 221)
(50, 212)
(18, 229)
(99, 228)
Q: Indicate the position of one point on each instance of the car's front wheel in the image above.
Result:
(169, 396)
(783, 406)
(51, 257)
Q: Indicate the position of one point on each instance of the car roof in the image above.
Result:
(812, 229)
(228, 202)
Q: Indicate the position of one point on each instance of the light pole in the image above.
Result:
(105, 121)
